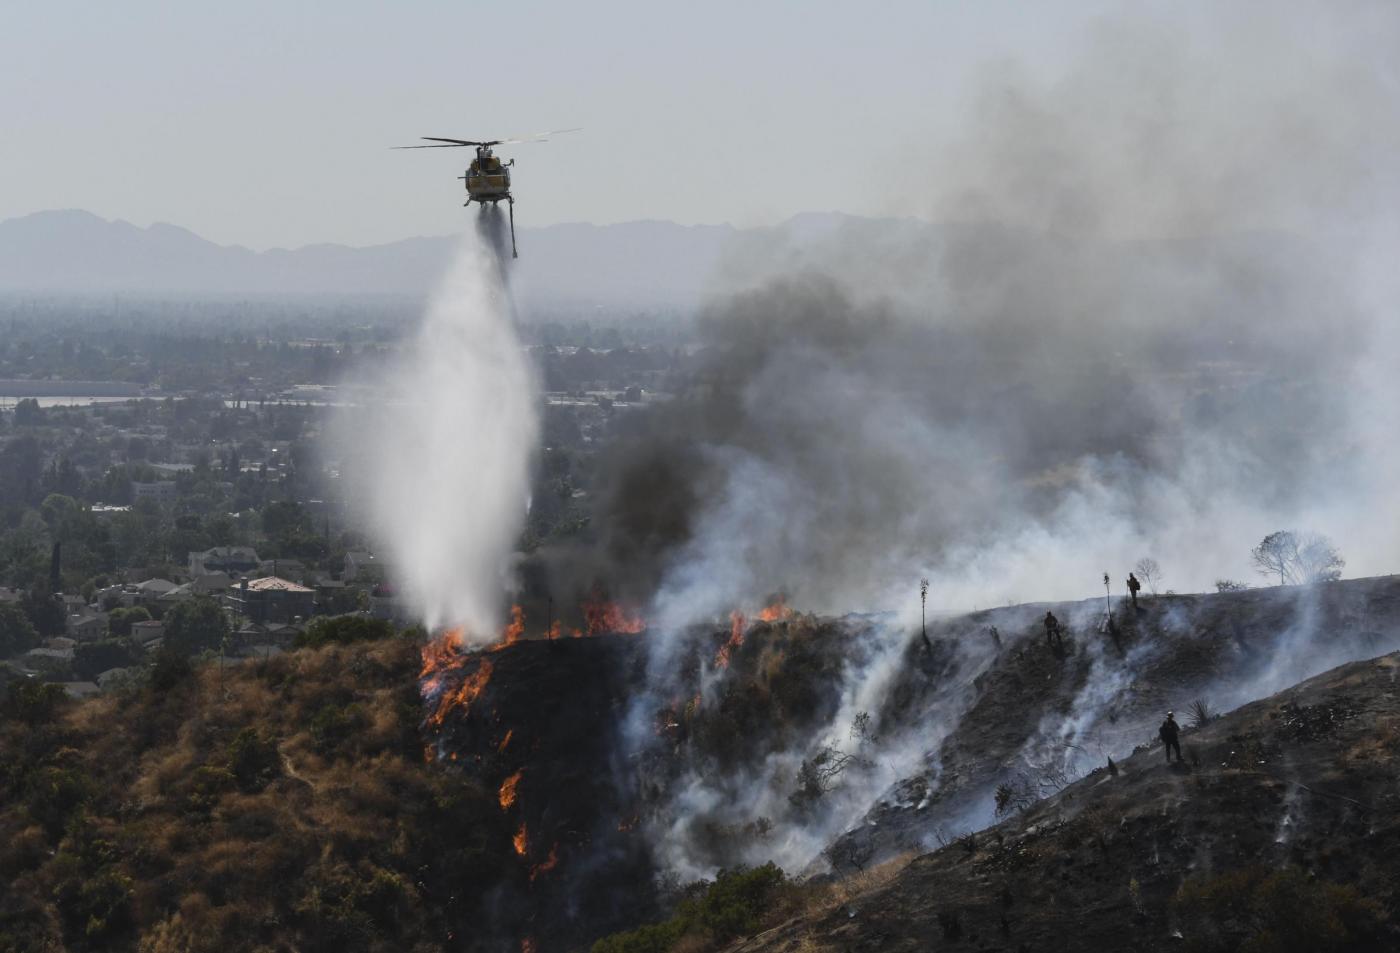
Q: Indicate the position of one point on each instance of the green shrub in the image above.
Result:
(33, 702)
(93, 904)
(171, 670)
(191, 627)
(119, 621)
(253, 760)
(654, 938)
(207, 784)
(17, 633)
(343, 630)
(56, 794)
(91, 659)
(333, 724)
(734, 905)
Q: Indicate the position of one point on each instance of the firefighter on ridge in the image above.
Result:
(1169, 734)
(1133, 587)
(1052, 631)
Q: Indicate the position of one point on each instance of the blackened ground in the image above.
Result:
(1173, 650)
(560, 704)
(1281, 828)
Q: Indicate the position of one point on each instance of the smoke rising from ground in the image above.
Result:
(1158, 325)
(442, 465)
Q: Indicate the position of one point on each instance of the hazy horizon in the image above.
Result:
(260, 127)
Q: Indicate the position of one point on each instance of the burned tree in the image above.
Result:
(1298, 558)
(1150, 572)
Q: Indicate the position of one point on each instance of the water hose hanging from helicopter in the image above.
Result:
(488, 178)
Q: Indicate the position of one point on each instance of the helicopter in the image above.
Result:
(488, 178)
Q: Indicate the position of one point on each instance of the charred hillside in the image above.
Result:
(1278, 832)
(834, 745)
(1038, 716)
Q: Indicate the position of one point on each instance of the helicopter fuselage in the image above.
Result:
(488, 180)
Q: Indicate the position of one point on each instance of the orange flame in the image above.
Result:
(547, 864)
(520, 840)
(507, 793)
(776, 612)
(463, 695)
(527, 945)
(441, 653)
(554, 630)
(514, 631)
(736, 639)
(603, 616)
(505, 741)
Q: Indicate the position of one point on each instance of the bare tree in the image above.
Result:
(1318, 559)
(1149, 572)
(1298, 558)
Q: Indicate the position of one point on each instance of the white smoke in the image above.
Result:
(1013, 405)
(443, 460)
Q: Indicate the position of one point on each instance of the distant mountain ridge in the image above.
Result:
(642, 265)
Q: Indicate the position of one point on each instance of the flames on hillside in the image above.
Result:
(455, 681)
(448, 653)
(776, 611)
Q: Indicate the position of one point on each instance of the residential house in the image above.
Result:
(162, 491)
(286, 568)
(151, 590)
(232, 560)
(86, 625)
(258, 639)
(211, 584)
(362, 567)
(384, 603)
(147, 634)
(272, 599)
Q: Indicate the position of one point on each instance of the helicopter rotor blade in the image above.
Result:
(536, 137)
(455, 142)
(441, 143)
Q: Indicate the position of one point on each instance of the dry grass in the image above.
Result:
(215, 861)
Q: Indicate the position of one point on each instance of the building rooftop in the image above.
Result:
(275, 584)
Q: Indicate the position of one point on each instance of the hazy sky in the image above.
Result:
(268, 124)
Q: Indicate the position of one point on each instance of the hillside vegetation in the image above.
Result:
(277, 805)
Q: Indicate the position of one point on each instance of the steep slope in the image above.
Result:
(1036, 718)
(1279, 830)
(629, 762)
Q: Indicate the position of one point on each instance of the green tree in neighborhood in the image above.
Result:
(194, 626)
(17, 633)
(119, 621)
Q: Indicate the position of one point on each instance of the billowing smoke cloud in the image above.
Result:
(1158, 325)
(1151, 336)
(442, 463)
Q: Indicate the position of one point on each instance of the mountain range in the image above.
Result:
(645, 265)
